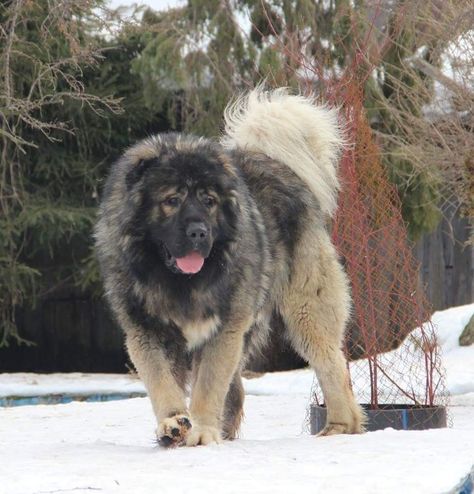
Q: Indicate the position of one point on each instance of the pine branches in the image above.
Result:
(45, 49)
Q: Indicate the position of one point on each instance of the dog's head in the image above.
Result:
(187, 201)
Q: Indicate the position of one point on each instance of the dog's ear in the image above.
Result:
(137, 172)
(231, 211)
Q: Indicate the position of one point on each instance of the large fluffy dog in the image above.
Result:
(200, 241)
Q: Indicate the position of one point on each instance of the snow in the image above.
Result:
(109, 447)
(75, 383)
(458, 360)
(406, 366)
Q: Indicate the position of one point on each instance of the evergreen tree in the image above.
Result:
(71, 99)
(200, 55)
(61, 127)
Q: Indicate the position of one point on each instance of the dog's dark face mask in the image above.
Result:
(188, 206)
(185, 224)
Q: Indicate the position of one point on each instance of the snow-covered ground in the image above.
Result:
(109, 447)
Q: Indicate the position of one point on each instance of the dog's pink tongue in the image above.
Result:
(190, 264)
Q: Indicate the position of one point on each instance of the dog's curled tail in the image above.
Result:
(294, 130)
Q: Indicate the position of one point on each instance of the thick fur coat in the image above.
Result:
(201, 241)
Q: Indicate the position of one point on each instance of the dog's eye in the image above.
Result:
(172, 201)
(209, 201)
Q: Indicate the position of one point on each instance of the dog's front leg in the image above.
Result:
(164, 379)
(219, 360)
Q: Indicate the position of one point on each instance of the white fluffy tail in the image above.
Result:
(294, 130)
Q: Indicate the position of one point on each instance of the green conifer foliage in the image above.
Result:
(200, 55)
(395, 97)
(74, 93)
(60, 127)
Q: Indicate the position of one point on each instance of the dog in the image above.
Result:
(200, 241)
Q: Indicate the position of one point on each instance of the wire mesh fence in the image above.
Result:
(390, 341)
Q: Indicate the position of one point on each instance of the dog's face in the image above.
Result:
(187, 204)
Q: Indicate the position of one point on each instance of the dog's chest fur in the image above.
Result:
(196, 332)
(194, 316)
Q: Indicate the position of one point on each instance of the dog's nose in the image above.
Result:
(196, 232)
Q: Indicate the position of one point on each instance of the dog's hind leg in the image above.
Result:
(315, 307)
(233, 411)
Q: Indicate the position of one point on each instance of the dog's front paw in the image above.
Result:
(202, 434)
(173, 431)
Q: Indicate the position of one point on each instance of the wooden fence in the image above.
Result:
(447, 263)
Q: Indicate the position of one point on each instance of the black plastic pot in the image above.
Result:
(402, 417)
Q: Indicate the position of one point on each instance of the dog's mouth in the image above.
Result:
(191, 263)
